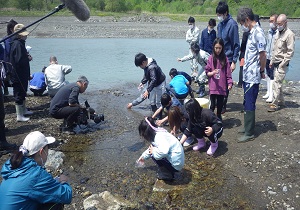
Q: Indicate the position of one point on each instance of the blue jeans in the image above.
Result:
(250, 96)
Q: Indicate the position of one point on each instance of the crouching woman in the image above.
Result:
(26, 184)
(165, 150)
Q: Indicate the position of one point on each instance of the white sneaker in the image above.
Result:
(188, 142)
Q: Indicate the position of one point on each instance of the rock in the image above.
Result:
(86, 193)
(106, 200)
(55, 159)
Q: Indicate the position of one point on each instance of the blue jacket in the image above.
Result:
(38, 81)
(228, 30)
(30, 185)
(207, 40)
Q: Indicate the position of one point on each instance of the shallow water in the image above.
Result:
(105, 160)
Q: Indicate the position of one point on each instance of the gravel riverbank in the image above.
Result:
(261, 174)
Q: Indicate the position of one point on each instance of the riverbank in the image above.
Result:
(261, 174)
(137, 26)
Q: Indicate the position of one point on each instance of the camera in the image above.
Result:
(89, 113)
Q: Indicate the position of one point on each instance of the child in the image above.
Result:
(178, 122)
(37, 84)
(165, 150)
(201, 56)
(167, 102)
(219, 76)
(202, 122)
(154, 76)
(179, 85)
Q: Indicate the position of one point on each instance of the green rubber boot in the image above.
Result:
(249, 125)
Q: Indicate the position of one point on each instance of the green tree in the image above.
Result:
(23, 4)
(115, 6)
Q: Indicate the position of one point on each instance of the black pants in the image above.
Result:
(69, 113)
(20, 90)
(216, 100)
(166, 170)
(51, 206)
(2, 116)
(38, 92)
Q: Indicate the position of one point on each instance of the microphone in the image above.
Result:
(78, 8)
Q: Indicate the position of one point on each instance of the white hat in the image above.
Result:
(35, 141)
(18, 27)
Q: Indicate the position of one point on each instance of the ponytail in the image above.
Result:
(16, 159)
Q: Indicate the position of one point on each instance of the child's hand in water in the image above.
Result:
(208, 131)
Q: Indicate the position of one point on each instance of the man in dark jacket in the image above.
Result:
(65, 104)
(154, 76)
(21, 71)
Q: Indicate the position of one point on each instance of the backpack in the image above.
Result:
(5, 74)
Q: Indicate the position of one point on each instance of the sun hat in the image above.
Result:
(18, 27)
(35, 141)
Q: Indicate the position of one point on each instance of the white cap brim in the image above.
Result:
(50, 139)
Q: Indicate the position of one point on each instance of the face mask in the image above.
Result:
(191, 26)
(280, 28)
(220, 18)
(245, 29)
(272, 26)
(43, 163)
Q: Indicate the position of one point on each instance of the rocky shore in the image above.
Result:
(260, 174)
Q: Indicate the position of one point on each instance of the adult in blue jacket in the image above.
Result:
(26, 184)
(228, 30)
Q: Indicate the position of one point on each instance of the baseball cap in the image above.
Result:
(19, 27)
(35, 141)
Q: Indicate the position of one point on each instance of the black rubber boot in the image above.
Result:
(249, 124)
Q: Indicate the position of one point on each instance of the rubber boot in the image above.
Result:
(212, 149)
(249, 124)
(201, 90)
(20, 116)
(4, 145)
(201, 144)
(268, 88)
(25, 110)
(270, 98)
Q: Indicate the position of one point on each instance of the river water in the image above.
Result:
(109, 62)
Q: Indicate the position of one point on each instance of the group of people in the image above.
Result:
(25, 182)
(260, 54)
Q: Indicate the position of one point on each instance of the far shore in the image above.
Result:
(136, 26)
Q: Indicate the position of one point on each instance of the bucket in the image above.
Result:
(204, 102)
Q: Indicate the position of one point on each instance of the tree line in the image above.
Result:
(193, 7)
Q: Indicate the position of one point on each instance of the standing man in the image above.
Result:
(254, 69)
(65, 104)
(228, 30)
(55, 76)
(4, 145)
(283, 51)
(270, 70)
(192, 36)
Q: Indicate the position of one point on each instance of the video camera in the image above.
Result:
(89, 113)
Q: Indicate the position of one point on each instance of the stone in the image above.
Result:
(106, 200)
(54, 160)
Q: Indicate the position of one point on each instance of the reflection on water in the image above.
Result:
(110, 62)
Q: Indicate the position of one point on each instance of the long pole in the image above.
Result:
(56, 9)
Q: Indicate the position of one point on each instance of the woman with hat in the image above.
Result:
(20, 72)
(26, 184)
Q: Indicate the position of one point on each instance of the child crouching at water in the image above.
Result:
(165, 150)
(202, 122)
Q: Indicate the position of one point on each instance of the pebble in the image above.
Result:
(86, 193)
(284, 189)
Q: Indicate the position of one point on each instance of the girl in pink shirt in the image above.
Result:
(219, 76)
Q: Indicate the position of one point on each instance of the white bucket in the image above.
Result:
(204, 102)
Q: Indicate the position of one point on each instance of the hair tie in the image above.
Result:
(154, 128)
(23, 150)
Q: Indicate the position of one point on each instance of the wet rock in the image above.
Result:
(55, 159)
(106, 200)
(86, 193)
(84, 180)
